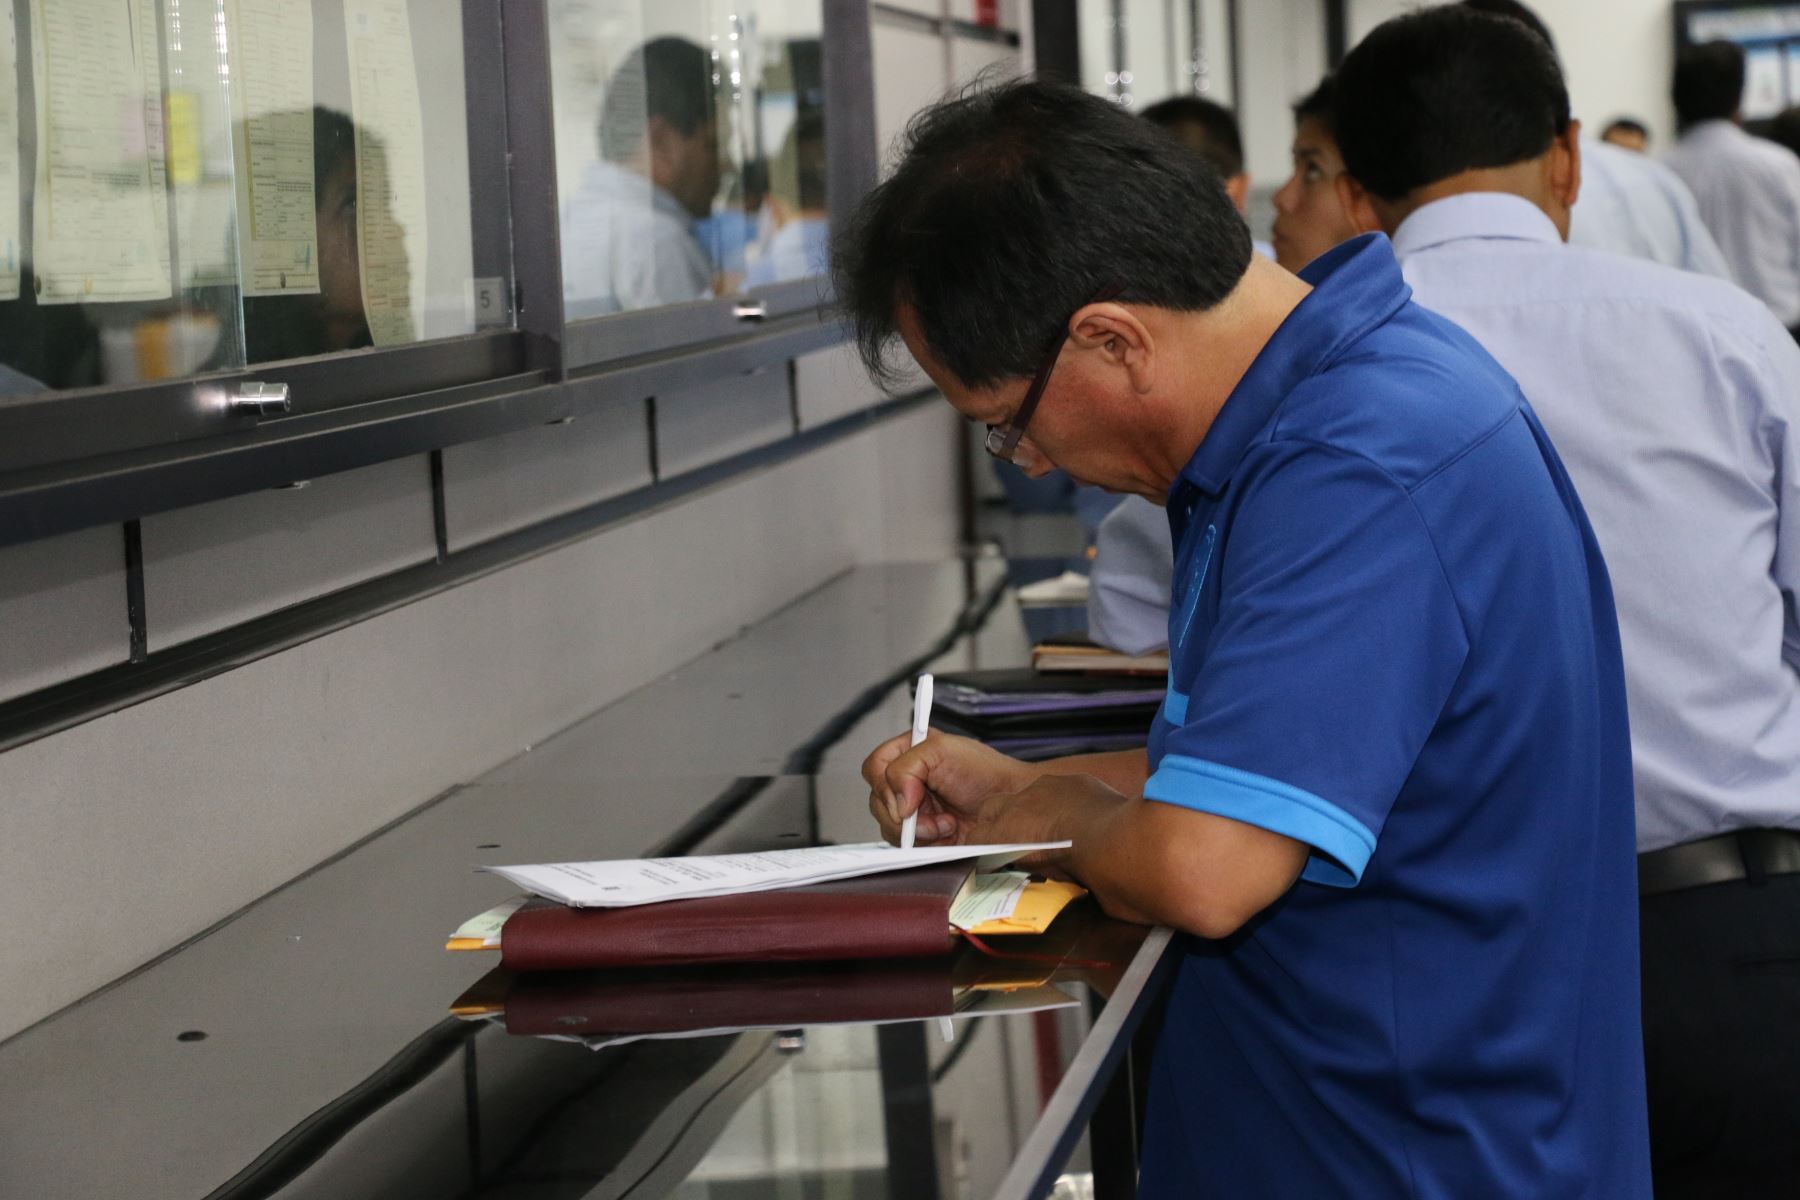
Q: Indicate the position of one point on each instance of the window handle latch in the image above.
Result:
(257, 399)
(751, 310)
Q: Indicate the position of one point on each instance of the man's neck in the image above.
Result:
(1525, 180)
(1213, 351)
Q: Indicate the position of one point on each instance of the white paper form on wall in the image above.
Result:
(271, 103)
(100, 216)
(10, 200)
(202, 194)
(390, 166)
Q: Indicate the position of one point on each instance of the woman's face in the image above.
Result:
(1309, 220)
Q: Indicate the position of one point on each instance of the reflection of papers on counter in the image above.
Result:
(622, 882)
(390, 166)
(10, 200)
(100, 212)
(611, 1008)
(272, 101)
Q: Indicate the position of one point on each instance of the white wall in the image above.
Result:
(1616, 55)
(1282, 54)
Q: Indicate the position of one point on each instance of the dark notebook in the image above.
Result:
(899, 914)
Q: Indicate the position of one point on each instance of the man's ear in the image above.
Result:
(1357, 204)
(1565, 164)
(1238, 189)
(1114, 332)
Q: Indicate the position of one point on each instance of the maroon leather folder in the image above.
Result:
(676, 1000)
(897, 914)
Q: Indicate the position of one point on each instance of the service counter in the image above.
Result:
(305, 1047)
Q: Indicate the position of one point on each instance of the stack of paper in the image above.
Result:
(620, 883)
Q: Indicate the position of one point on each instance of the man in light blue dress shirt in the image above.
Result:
(628, 231)
(1748, 188)
(1630, 204)
(1633, 204)
(1675, 402)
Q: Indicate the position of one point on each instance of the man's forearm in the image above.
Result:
(1124, 771)
(1155, 863)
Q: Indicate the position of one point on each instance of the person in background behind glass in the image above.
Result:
(331, 319)
(1627, 133)
(1211, 131)
(801, 244)
(627, 233)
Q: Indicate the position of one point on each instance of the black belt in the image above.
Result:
(1741, 854)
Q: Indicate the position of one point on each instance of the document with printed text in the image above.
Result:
(622, 882)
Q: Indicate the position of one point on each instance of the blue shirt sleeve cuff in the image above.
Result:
(1342, 844)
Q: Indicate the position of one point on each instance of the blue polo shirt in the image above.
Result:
(1392, 639)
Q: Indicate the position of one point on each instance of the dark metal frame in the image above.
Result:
(1103, 1084)
(73, 459)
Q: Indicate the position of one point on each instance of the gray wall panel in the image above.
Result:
(506, 483)
(62, 609)
(705, 424)
(831, 383)
(217, 564)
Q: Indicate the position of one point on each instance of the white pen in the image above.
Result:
(921, 721)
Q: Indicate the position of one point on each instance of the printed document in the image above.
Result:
(272, 101)
(100, 213)
(390, 167)
(622, 882)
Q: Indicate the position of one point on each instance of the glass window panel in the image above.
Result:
(690, 143)
(207, 184)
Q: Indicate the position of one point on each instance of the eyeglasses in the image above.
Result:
(1003, 440)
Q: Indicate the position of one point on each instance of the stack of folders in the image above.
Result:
(1034, 714)
(1077, 653)
(613, 951)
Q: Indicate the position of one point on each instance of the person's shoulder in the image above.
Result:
(1723, 310)
(1409, 398)
(1770, 158)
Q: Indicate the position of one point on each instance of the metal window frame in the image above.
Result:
(75, 458)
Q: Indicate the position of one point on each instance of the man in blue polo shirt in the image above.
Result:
(1388, 797)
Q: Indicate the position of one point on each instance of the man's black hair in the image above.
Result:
(1709, 82)
(667, 77)
(1208, 129)
(1316, 105)
(1626, 125)
(1513, 10)
(1010, 208)
(1445, 90)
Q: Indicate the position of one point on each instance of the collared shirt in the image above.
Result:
(1128, 586)
(1749, 195)
(628, 244)
(1393, 640)
(1632, 204)
(1675, 402)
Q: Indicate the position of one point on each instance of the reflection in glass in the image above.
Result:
(629, 235)
(206, 184)
(690, 149)
(328, 315)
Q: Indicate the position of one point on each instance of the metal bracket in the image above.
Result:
(256, 399)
